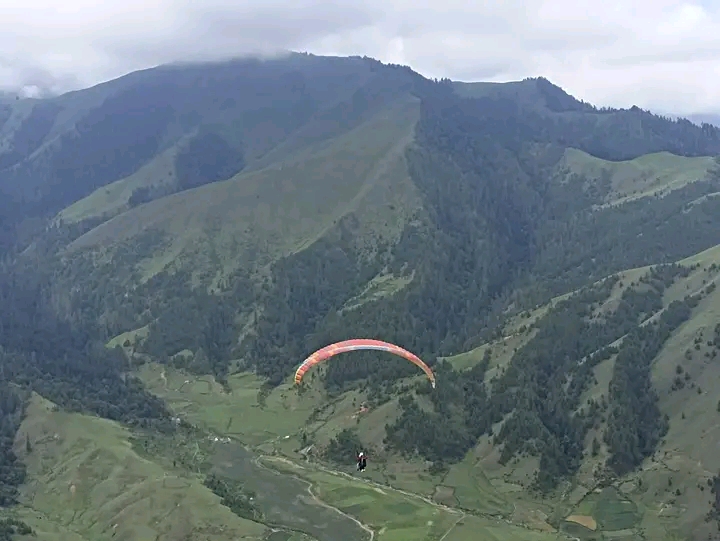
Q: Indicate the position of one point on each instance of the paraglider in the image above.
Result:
(356, 345)
(361, 461)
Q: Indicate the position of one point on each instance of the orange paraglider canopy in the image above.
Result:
(360, 344)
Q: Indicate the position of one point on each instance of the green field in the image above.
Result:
(472, 490)
(238, 413)
(610, 511)
(400, 516)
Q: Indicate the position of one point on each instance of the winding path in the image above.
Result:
(375, 484)
(258, 462)
(378, 486)
(452, 527)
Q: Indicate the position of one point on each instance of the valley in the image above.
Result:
(177, 241)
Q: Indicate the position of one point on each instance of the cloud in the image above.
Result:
(658, 54)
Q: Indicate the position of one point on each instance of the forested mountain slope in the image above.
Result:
(215, 220)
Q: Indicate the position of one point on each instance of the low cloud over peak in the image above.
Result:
(662, 55)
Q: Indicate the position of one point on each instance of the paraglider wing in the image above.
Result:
(360, 344)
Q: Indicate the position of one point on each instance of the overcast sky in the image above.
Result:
(658, 54)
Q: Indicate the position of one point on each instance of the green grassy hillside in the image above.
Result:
(113, 198)
(55, 152)
(669, 494)
(88, 482)
(279, 210)
(649, 175)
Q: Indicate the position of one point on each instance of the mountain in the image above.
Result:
(177, 240)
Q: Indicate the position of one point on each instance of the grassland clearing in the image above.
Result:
(381, 286)
(516, 332)
(472, 528)
(129, 336)
(472, 489)
(648, 175)
(112, 199)
(584, 520)
(609, 510)
(243, 413)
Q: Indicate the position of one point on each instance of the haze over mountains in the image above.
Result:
(707, 118)
(177, 240)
